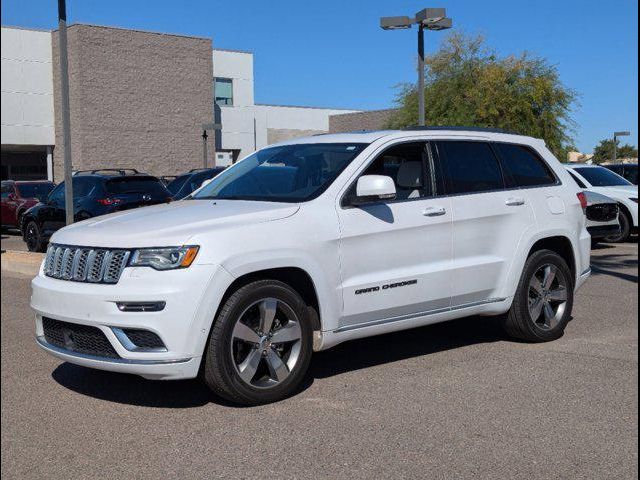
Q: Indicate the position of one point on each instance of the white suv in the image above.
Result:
(605, 182)
(310, 243)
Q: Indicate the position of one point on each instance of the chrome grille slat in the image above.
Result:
(95, 265)
(57, 262)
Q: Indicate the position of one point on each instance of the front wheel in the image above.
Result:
(260, 344)
(544, 300)
(33, 237)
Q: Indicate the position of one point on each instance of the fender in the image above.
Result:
(329, 302)
(513, 277)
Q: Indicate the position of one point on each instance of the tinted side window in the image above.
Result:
(57, 194)
(83, 187)
(404, 163)
(127, 185)
(524, 167)
(470, 166)
(6, 190)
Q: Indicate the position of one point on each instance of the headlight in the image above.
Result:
(168, 258)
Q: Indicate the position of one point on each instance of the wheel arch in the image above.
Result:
(624, 209)
(556, 241)
(559, 244)
(296, 277)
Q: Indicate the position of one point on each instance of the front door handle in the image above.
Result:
(514, 202)
(434, 211)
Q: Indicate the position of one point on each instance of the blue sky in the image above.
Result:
(332, 53)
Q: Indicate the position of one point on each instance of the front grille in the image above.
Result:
(80, 264)
(605, 212)
(144, 339)
(77, 338)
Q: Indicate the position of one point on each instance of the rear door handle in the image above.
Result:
(514, 202)
(434, 211)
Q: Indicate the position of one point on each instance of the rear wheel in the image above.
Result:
(625, 230)
(33, 237)
(544, 300)
(260, 344)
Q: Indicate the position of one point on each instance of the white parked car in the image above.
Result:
(602, 217)
(309, 243)
(602, 180)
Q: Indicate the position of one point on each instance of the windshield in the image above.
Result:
(289, 173)
(601, 177)
(35, 190)
(631, 173)
(195, 181)
(125, 185)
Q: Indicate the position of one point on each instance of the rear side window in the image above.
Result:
(470, 167)
(83, 187)
(126, 185)
(524, 167)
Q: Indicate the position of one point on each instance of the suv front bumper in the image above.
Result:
(182, 325)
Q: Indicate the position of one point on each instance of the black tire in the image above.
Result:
(220, 371)
(625, 229)
(518, 323)
(33, 237)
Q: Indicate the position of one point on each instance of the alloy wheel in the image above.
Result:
(548, 296)
(266, 342)
(31, 238)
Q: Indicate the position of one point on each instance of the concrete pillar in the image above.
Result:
(50, 163)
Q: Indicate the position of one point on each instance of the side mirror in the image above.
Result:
(11, 196)
(373, 188)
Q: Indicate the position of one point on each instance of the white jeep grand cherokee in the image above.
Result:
(310, 243)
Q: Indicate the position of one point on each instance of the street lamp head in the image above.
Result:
(430, 15)
(396, 23)
(442, 24)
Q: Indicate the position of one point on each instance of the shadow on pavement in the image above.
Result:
(611, 264)
(131, 389)
(347, 357)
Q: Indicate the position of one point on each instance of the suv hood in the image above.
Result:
(169, 224)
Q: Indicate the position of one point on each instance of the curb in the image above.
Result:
(25, 263)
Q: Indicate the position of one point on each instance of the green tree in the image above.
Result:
(468, 84)
(604, 151)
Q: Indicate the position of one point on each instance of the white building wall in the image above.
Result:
(27, 87)
(246, 126)
(237, 120)
(300, 118)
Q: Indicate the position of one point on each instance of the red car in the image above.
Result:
(18, 196)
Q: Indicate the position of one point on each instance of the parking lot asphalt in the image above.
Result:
(455, 400)
(12, 240)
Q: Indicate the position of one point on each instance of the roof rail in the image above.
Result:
(463, 129)
(119, 171)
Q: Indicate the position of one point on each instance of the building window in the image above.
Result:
(223, 91)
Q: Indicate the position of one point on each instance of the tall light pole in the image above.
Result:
(65, 109)
(429, 19)
(615, 143)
